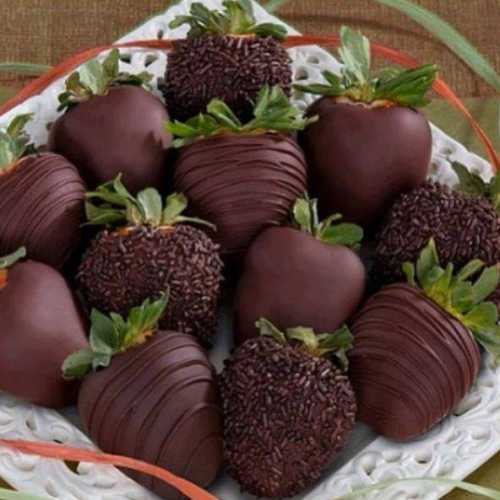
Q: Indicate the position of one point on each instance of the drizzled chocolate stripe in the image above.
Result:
(241, 183)
(411, 364)
(41, 207)
(158, 402)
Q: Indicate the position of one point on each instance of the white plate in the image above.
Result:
(459, 445)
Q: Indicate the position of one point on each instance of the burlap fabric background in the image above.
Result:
(47, 31)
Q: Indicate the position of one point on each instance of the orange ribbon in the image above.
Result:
(41, 83)
(61, 452)
(3, 278)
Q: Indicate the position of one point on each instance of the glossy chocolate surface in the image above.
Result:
(361, 159)
(159, 403)
(121, 132)
(241, 183)
(41, 208)
(40, 326)
(411, 364)
(292, 279)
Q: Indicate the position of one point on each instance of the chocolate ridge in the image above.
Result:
(409, 354)
(41, 207)
(241, 183)
(149, 425)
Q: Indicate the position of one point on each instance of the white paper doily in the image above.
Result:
(455, 448)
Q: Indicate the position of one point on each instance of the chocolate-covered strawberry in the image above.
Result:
(302, 275)
(112, 124)
(241, 177)
(370, 144)
(150, 395)
(288, 408)
(416, 349)
(226, 55)
(149, 248)
(40, 325)
(464, 222)
(41, 198)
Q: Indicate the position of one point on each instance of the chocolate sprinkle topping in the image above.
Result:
(242, 184)
(287, 415)
(463, 227)
(120, 270)
(231, 68)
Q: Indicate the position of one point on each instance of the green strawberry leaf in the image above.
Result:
(273, 112)
(427, 261)
(469, 270)
(267, 329)
(409, 272)
(11, 259)
(458, 295)
(15, 142)
(462, 297)
(176, 204)
(337, 345)
(112, 204)
(236, 18)
(96, 79)
(110, 335)
(399, 86)
(151, 206)
(355, 54)
(103, 337)
(487, 283)
(302, 214)
(349, 235)
(469, 182)
(332, 345)
(483, 317)
(305, 218)
(78, 364)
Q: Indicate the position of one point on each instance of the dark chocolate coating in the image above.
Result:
(120, 271)
(241, 183)
(361, 159)
(292, 279)
(231, 68)
(411, 364)
(287, 415)
(41, 208)
(121, 132)
(40, 326)
(159, 403)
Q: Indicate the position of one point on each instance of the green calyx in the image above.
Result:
(305, 218)
(96, 79)
(356, 83)
(272, 112)
(459, 295)
(328, 345)
(236, 18)
(112, 204)
(15, 142)
(472, 184)
(10, 260)
(112, 335)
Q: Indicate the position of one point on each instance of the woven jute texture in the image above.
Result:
(46, 31)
